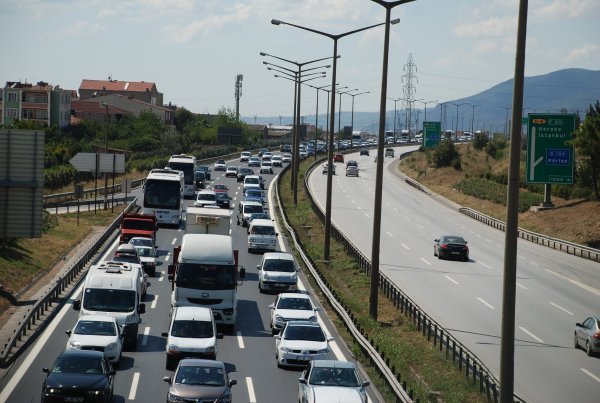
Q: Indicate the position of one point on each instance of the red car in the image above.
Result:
(338, 158)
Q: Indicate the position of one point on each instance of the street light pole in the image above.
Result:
(395, 116)
(473, 117)
(506, 121)
(105, 105)
(352, 119)
(456, 122)
(340, 115)
(327, 241)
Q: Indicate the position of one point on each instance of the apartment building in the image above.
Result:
(42, 103)
(138, 90)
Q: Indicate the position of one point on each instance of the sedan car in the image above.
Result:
(97, 332)
(198, 380)
(205, 169)
(300, 342)
(243, 171)
(291, 306)
(78, 376)
(364, 151)
(331, 381)
(148, 257)
(277, 161)
(223, 199)
(326, 168)
(220, 165)
(352, 170)
(245, 155)
(286, 158)
(451, 246)
(338, 158)
(266, 167)
(231, 172)
(206, 198)
(219, 187)
(587, 335)
(254, 162)
(141, 241)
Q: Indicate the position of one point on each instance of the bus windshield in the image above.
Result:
(162, 194)
(187, 168)
(205, 276)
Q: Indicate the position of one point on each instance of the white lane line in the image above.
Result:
(173, 241)
(161, 277)
(534, 263)
(522, 286)
(561, 308)
(168, 257)
(332, 344)
(420, 226)
(134, 385)
(585, 371)
(366, 215)
(240, 339)
(483, 264)
(389, 233)
(353, 202)
(451, 280)
(250, 386)
(423, 259)
(358, 207)
(533, 336)
(145, 338)
(577, 283)
(348, 196)
(387, 204)
(153, 305)
(485, 303)
(520, 257)
(404, 246)
(395, 209)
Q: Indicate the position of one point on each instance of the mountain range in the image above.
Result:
(563, 91)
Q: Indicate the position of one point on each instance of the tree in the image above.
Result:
(446, 154)
(587, 143)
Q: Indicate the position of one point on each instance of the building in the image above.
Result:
(141, 91)
(42, 103)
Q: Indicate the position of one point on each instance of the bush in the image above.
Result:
(445, 154)
(480, 140)
(487, 189)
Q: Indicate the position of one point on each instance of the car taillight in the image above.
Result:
(444, 246)
(596, 335)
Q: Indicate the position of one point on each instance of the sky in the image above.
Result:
(194, 49)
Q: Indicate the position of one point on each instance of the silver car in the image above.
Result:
(197, 380)
(331, 381)
(587, 335)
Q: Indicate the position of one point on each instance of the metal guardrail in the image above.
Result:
(46, 307)
(441, 339)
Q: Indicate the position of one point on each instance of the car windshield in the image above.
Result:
(222, 195)
(96, 328)
(192, 329)
(199, 175)
(109, 300)
(207, 196)
(252, 181)
(294, 303)
(453, 239)
(253, 193)
(279, 265)
(207, 376)
(220, 162)
(205, 276)
(333, 377)
(219, 187)
(308, 333)
(141, 242)
(145, 251)
(259, 216)
(262, 230)
(249, 209)
(78, 365)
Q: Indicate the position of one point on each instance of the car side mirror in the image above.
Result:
(436, 240)
(278, 337)
(302, 381)
(330, 339)
(142, 308)
(257, 267)
(165, 334)
(578, 324)
(366, 383)
(46, 370)
(167, 379)
(77, 305)
(68, 332)
(232, 382)
(318, 309)
(219, 335)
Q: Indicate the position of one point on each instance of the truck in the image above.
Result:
(208, 220)
(138, 225)
(205, 273)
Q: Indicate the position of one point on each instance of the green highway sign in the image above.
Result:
(549, 158)
(431, 134)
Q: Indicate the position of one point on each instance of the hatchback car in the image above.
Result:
(338, 158)
(277, 161)
(254, 162)
(352, 170)
(587, 335)
(243, 171)
(97, 332)
(79, 376)
(148, 257)
(245, 155)
(364, 151)
(223, 199)
(389, 152)
(300, 342)
(291, 306)
(197, 380)
(231, 172)
(220, 165)
(277, 272)
(199, 180)
(266, 167)
(451, 246)
(325, 167)
(206, 198)
(331, 381)
(205, 169)
(192, 334)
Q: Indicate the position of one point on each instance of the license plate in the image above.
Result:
(456, 253)
(73, 399)
(303, 358)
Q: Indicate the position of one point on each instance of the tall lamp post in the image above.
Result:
(456, 123)
(317, 115)
(352, 119)
(505, 121)
(327, 243)
(425, 103)
(395, 115)
(296, 158)
(105, 105)
(473, 116)
(340, 115)
(373, 295)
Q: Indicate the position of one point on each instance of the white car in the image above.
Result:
(141, 241)
(300, 342)
(266, 167)
(97, 332)
(286, 158)
(192, 334)
(331, 381)
(277, 272)
(245, 156)
(291, 306)
(277, 161)
(148, 257)
(206, 198)
(220, 165)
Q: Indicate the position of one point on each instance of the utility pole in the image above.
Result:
(238, 95)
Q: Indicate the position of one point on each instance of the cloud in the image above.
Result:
(566, 8)
(493, 26)
(84, 27)
(585, 52)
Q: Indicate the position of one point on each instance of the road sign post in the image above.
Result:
(550, 157)
(431, 134)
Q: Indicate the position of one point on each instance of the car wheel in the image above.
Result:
(466, 258)
(588, 348)
(170, 364)
(575, 342)
(439, 255)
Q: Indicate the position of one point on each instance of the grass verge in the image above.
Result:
(425, 370)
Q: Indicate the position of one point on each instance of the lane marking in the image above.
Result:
(533, 336)
(153, 305)
(420, 226)
(146, 333)
(167, 257)
(577, 283)
(485, 303)
(240, 339)
(561, 308)
(452, 280)
(585, 371)
(173, 241)
(134, 385)
(423, 259)
(366, 215)
(250, 387)
(395, 209)
(389, 233)
(358, 207)
(522, 286)
(534, 263)
(161, 277)
(483, 264)
(404, 246)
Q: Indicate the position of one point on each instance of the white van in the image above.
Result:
(114, 289)
(262, 235)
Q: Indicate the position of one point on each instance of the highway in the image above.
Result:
(249, 353)
(554, 290)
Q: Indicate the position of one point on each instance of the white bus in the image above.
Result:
(163, 196)
(187, 165)
(205, 273)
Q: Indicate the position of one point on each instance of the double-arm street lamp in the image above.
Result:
(352, 118)
(296, 137)
(395, 115)
(425, 103)
(473, 116)
(327, 242)
(317, 114)
(456, 123)
(340, 114)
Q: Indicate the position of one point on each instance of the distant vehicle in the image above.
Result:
(352, 170)
(199, 179)
(197, 380)
(266, 167)
(338, 158)
(205, 169)
(220, 165)
(254, 162)
(291, 306)
(248, 208)
(331, 381)
(389, 152)
(451, 246)
(223, 199)
(79, 373)
(187, 165)
(364, 151)
(261, 236)
(138, 225)
(299, 342)
(148, 256)
(219, 187)
(243, 172)
(255, 180)
(262, 151)
(587, 335)
(326, 168)
(163, 196)
(286, 158)
(286, 148)
(231, 172)
(206, 198)
(245, 155)
(277, 161)
(254, 195)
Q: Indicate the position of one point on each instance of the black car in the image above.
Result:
(451, 246)
(205, 169)
(243, 172)
(79, 376)
(364, 151)
(199, 180)
(223, 199)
